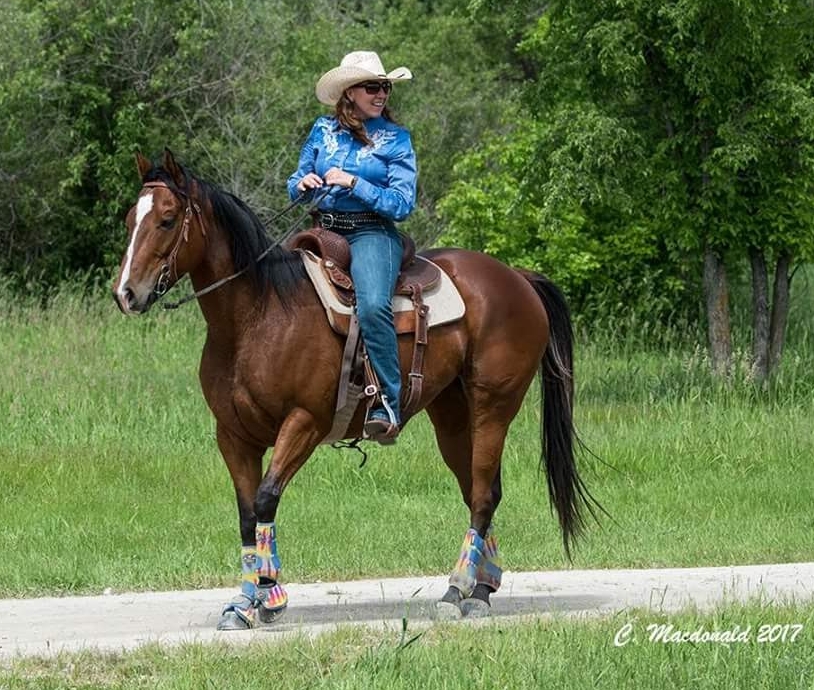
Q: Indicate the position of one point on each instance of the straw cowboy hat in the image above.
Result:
(362, 65)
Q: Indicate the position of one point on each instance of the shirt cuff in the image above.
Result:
(362, 190)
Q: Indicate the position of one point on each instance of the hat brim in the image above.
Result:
(333, 83)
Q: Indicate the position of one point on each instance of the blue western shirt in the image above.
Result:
(385, 170)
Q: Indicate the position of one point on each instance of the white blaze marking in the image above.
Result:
(143, 207)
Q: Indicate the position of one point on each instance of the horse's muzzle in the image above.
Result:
(138, 298)
(130, 303)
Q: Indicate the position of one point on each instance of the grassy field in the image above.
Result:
(111, 477)
(533, 654)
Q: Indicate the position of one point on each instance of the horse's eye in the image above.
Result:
(167, 223)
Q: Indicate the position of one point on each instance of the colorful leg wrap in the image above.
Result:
(261, 598)
(241, 612)
(248, 559)
(273, 599)
(465, 575)
(490, 570)
(268, 562)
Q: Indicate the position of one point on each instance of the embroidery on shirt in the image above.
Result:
(379, 138)
(329, 138)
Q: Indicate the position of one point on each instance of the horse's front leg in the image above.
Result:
(298, 437)
(245, 464)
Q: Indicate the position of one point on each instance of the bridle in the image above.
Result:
(162, 285)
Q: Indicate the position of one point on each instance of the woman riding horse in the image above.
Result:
(370, 162)
(270, 372)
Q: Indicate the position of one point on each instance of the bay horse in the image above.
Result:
(270, 368)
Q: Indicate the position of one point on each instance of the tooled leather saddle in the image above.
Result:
(416, 273)
(416, 277)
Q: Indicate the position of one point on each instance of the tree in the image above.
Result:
(34, 140)
(227, 84)
(691, 119)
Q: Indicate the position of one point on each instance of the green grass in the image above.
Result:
(517, 654)
(111, 478)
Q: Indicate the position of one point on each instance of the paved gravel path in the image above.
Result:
(115, 622)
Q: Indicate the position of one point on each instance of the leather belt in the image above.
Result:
(335, 220)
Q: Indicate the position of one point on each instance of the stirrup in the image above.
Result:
(385, 428)
(381, 430)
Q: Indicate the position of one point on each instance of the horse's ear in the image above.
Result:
(174, 169)
(143, 165)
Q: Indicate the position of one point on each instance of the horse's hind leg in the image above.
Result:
(450, 415)
(489, 571)
(477, 574)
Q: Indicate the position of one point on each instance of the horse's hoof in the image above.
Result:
(268, 616)
(229, 620)
(475, 608)
(272, 602)
(239, 614)
(447, 611)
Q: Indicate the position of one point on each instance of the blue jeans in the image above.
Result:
(375, 261)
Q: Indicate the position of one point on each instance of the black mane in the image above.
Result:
(280, 272)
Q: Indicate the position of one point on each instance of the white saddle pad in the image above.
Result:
(444, 301)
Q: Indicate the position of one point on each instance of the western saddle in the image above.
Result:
(417, 275)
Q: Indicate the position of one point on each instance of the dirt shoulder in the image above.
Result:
(116, 622)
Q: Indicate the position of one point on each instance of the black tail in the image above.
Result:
(567, 492)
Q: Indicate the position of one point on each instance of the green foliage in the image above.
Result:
(650, 132)
(606, 144)
(709, 106)
(565, 225)
(227, 84)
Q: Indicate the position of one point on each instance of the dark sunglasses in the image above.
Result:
(373, 87)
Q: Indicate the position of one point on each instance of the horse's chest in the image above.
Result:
(257, 385)
(243, 397)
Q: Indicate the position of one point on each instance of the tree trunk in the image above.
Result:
(780, 309)
(716, 290)
(760, 315)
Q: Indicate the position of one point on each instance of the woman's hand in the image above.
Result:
(310, 181)
(337, 176)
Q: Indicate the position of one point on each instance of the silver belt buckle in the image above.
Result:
(327, 220)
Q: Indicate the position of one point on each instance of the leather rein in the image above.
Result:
(192, 207)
